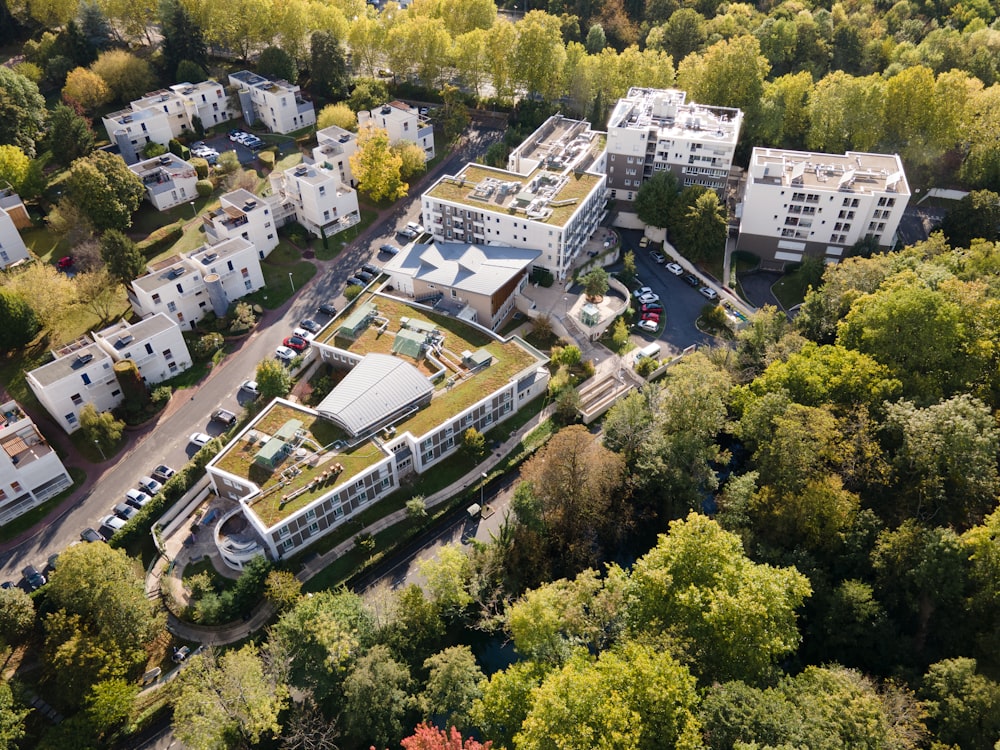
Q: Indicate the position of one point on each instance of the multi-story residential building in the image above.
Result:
(473, 283)
(651, 130)
(334, 151)
(83, 372)
(551, 198)
(30, 470)
(12, 247)
(297, 473)
(278, 104)
(168, 179)
(243, 214)
(161, 115)
(403, 123)
(187, 287)
(799, 203)
(314, 196)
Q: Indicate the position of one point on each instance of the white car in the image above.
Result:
(675, 269)
(707, 291)
(649, 298)
(641, 291)
(647, 325)
(285, 354)
(125, 511)
(149, 485)
(200, 439)
(250, 386)
(657, 256)
(112, 522)
(137, 499)
(302, 333)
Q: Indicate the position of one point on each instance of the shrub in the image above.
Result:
(200, 168)
(242, 318)
(161, 396)
(352, 292)
(153, 149)
(160, 239)
(208, 345)
(646, 365)
(542, 277)
(204, 188)
(296, 233)
(266, 159)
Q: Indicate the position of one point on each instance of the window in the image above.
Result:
(284, 532)
(116, 392)
(229, 264)
(248, 285)
(286, 545)
(313, 527)
(322, 190)
(167, 354)
(171, 307)
(16, 486)
(310, 514)
(149, 348)
(86, 378)
(156, 299)
(180, 289)
(172, 366)
(76, 399)
(70, 418)
(245, 272)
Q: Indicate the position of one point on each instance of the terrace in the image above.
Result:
(323, 460)
(462, 387)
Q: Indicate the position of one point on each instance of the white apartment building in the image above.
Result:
(651, 130)
(799, 203)
(30, 470)
(334, 151)
(551, 198)
(403, 123)
(83, 372)
(12, 247)
(161, 115)
(188, 287)
(243, 214)
(278, 104)
(168, 179)
(314, 196)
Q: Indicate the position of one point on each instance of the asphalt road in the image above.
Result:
(169, 443)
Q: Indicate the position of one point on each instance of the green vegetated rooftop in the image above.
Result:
(278, 481)
(460, 188)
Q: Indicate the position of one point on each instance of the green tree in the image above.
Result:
(273, 379)
(110, 703)
(12, 718)
(454, 114)
(128, 76)
(416, 507)
(698, 583)
(376, 167)
(377, 698)
(191, 71)
(282, 589)
(337, 114)
(367, 94)
(507, 697)
(274, 62)
(22, 111)
(69, 137)
(107, 190)
(470, 58)
(596, 39)
(629, 424)
(539, 54)
(122, 256)
(962, 706)
(86, 89)
(17, 616)
(101, 428)
(595, 283)
(99, 292)
(182, 38)
(228, 700)
(18, 322)
(976, 216)
(413, 159)
(447, 575)
(683, 33)
(14, 165)
(474, 443)
(453, 679)
(655, 199)
(328, 73)
(845, 112)
(981, 128)
(628, 272)
(701, 232)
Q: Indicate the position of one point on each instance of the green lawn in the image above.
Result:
(285, 259)
(45, 244)
(791, 289)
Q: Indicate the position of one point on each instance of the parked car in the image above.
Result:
(423, 111)
(641, 291)
(124, 511)
(390, 249)
(149, 485)
(285, 354)
(655, 317)
(708, 292)
(236, 135)
(33, 578)
(224, 417)
(137, 499)
(692, 280)
(90, 536)
(254, 143)
(648, 326)
(675, 269)
(64, 262)
(310, 325)
(355, 281)
(297, 343)
(110, 524)
(657, 256)
(654, 307)
(180, 654)
(302, 333)
(327, 309)
(200, 438)
(364, 275)
(644, 241)
(162, 473)
(648, 299)
(250, 386)
(371, 268)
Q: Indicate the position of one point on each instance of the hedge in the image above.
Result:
(160, 239)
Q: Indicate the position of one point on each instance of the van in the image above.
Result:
(650, 350)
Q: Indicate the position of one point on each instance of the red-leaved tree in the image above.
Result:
(428, 737)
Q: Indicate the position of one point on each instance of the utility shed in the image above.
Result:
(357, 321)
(409, 343)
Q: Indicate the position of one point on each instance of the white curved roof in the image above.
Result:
(379, 386)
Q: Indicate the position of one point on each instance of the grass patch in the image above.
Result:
(340, 240)
(515, 322)
(45, 244)
(790, 289)
(283, 260)
(22, 523)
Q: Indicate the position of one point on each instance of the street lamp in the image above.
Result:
(482, 491)
(98, 444)
(291, 282)
(194, 211)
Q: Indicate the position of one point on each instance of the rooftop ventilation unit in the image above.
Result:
(386, 110)
(83, 359)
(173, 273)
(165, 159)
(209, 258)
(299, 171)
(125, 340)
(345, 138)
(250, 205)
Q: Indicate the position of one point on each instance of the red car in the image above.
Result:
(654, 308)
(297, 343)
(655, 317)
(64, 262)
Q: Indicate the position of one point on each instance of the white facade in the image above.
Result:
(12, 247)
(243, 214)
(651, 130)
(168, 179)
(315, 197)
(334, 151)
(155, 344)
(551, 198)
(403, 123)
(278, 104)
(169, 113)
(206, 280)
(30, 470)
(800, 203)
